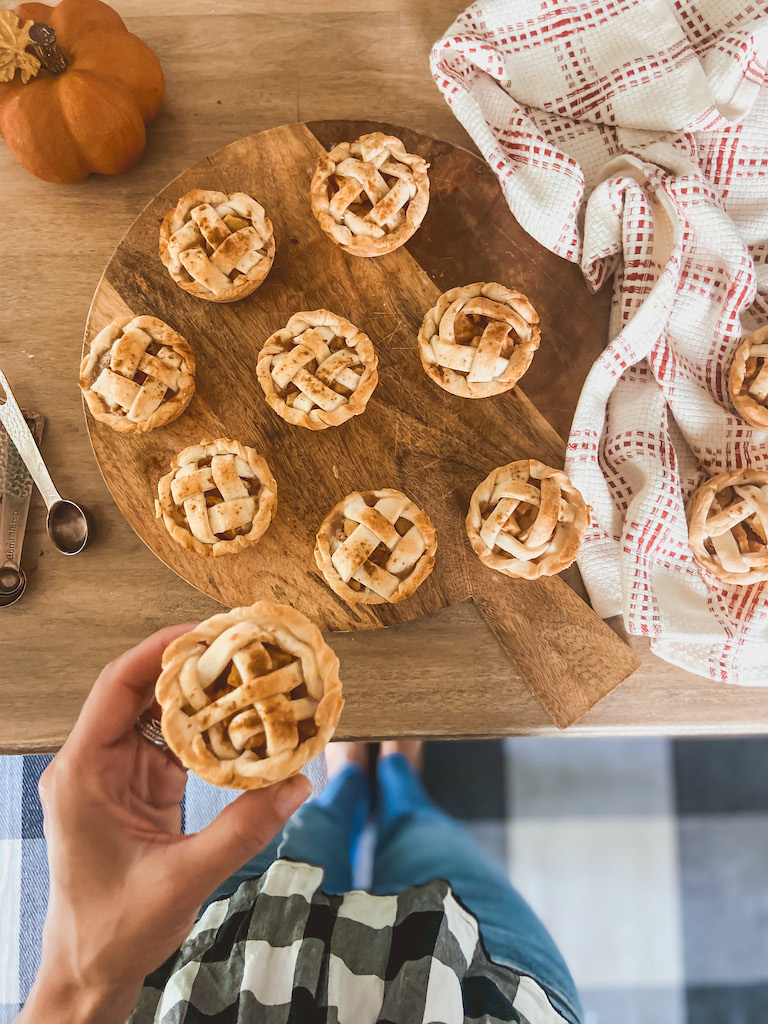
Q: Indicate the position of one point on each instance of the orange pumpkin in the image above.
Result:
(92, 116)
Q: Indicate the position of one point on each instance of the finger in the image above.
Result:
(239, 832)
(124, 689)
(158, 777)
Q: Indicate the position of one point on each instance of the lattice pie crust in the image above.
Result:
(318, 371)
(138, 375)
(748, 379)
(728, 526)
(376, 547)
(478, 340)
(218, 498)
(370, 195)
(216, 246)
(250, 696)
(527, 519)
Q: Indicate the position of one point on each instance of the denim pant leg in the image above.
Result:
(323, 832)
(326, 830)
(417, 843)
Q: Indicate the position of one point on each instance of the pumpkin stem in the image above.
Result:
(45, 46)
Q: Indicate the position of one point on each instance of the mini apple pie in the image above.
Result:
(216, 246)
(728, 526)
(318, 371)
(479, 340)
(375, 547)
(218, 498)
(370, 196)
(138, 375)
(748, 379)
(250, 696)
(527, 519)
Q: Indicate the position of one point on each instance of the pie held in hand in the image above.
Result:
(375, 547)
(318, 371)
(370, 196)
(478, 340)
(728, 526)
(218, 498)
(138, 375)
(250, 696)
(748, 379)
(527, 519)
(216, 246)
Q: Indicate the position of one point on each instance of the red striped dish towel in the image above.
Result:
(632, 138)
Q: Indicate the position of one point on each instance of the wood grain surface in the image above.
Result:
(245, 69)
(413, 436)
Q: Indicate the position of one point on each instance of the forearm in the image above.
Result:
(56, 999)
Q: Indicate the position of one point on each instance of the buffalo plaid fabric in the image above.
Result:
(631, 136)
(645, 858)
(280, 951)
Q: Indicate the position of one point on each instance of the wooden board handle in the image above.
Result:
(553, 639)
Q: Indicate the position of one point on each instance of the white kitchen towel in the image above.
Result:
(632, 137)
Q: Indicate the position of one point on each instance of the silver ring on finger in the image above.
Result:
(149, 728)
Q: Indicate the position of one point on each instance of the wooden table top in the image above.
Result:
(228, 75)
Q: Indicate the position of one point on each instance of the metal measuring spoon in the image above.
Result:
(13, 583)
(66, 523)
(16, 486)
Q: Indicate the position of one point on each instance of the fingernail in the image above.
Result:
(292, 794)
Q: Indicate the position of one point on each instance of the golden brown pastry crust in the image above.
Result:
(544, 543)
(116, 357)
(200, 261)
(487, 355)
(186, 513)
(354, 530)
(748, 379)
(717, 513)
(360, 210)
(332, 360)
(242, 731)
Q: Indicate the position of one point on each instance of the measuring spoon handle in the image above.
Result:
(12, 419)
(12, 528)
(16, 495)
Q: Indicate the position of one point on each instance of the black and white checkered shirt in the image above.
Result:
(280, 951)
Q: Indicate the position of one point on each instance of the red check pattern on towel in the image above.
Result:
(632, 138)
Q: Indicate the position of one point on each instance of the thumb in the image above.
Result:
(239, 832)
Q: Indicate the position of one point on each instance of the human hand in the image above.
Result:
(126, 886)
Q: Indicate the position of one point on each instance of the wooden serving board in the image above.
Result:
(413, 435)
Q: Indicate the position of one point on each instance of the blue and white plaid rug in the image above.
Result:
(647, 859)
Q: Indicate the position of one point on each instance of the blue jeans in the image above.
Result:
(417, 843)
